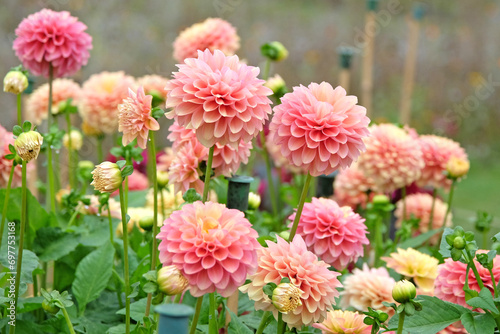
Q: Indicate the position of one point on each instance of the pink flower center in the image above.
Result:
(207, 223)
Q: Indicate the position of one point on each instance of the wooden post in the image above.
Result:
(345, 67)
(410, 64)
(367, 67)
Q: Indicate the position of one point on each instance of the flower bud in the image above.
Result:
(403, 291)
(107, 177)
(50, 307)
(171, 281)
(275, 51)
(253, 201)
(286, 297)
(15, 82)
(28, 145)
(284, 234)
(146, 223)
(86, 164)
(459, 243)
(380, 199)
(277, 85)
(162, 179)
(76, 140)
(457, 167)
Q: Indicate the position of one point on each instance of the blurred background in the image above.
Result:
(457, 82)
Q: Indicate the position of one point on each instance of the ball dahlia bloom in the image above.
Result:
(368, 287)
(450, 279)
(344, 322)
(279, 160)
(214, 247)
(220, 98)
(414, 264)
(101, 95)
(37, 104)
(351, 187)
(393, 158)
(213, 34)
(184, 172)
(335, 234)
(419, 205)
(319, 128)
(135, 119)
(437, 151)
(52, 38)
(305, 271)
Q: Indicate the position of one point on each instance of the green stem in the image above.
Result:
(72, 218)
(208, 173)
(19, 110)
(450, 199)
(270, 182)
(401, 322)
(403, 198)
(163, 204)
(196, 316)
(6, 202)
(71, 174)
(19, 259)
(494, 283)
(111, 232)
(177, 298)
(431, 216)
(472, 265)
(281, 324)
(300, 207)
(267, 69)
(212, 315)
(378, 240)
(35, 284)
(263, 322)
(100, 155)
(125, 261)
(68, 320)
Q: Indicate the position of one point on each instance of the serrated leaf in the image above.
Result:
(92, 275)
(484, 300)
(478, 324)
(51, 243)
(236, 326)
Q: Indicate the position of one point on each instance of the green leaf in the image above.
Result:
(137, 309)
(191, 196)
(236, 326)
(51, 243)
(12, 149)
(127, 170)
(92, 275)
(158, 112)
(444, 248)
(419, 240)
(10, 156)
(496, 237)
(484, 300)
(30, 263)
(121, 163)
(17, 130)
(479, 323)
(117, 152)
(26, 126)
(456, 254)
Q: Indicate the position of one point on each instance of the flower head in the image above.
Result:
(253, 201)
(319, 128)
(171, 281)
(107, 177)
(28, 145)
(220, 98)
(48, 38)
(368, 287)
(37, 104)
(414, 264)
(286, 297)
(277, 85)
(457, 167)
(214, 247)
(135, 119)
(403, 291)
(184, 171)
(437, 151)
(335, 234)
(76, 140)
(15, 82)
(101, 95)
(154, 85)
(351, 187)
(344, 322)
(304, 270)
(213, 34)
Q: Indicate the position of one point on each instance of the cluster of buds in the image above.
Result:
(15, 82)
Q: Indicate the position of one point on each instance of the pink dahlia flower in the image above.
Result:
(213, 34)
(368, 288)
(305, 271)
(344, 322)
(335, 234)
(226, 160)
(184, 171)
(454, 328)
(37, 104)
(419, 205)
(101, 95)
(279, 160)
(52, 38)
(135, 119)
(393, 158)
(220, 98)
(450, 279)
(214, 247)
(436, 153)
(319, 128)
(153, 84)
(351, 187)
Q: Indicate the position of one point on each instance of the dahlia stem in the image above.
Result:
(19, 110)
(72, 218)
(270, 182)
(403, 198)
(495, 289)
(68, 320)
(379, 242)
(19, 259)
(300, 207)
(401, 322)
(474, 269)
(263, 322)
(110, 220)
(431, 216)
(125, 260)
(196, 316)
(450, 199)
(281, 324)
(163, 204)
(6, 202)
(212, 315)
(50, 167)
(154, 255)
(71, 166)
(267, 69)
(208, 173)
(177, 298)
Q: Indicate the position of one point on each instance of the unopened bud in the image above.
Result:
(162, 179)
(274, 51)
(253, 201)
(15, 82)
(107, 177)
(286, 297)
(76, 140)
(459, 243)
(171, 281)
(28, 145)
(457, 167)
(403, 291)
(380, 199)
(146, 223)
(277, 85)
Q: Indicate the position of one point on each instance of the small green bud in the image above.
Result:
(146, 223)
(50, 307)
(459, 243)
(380, 199)
(404, 291)
(274, 51)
